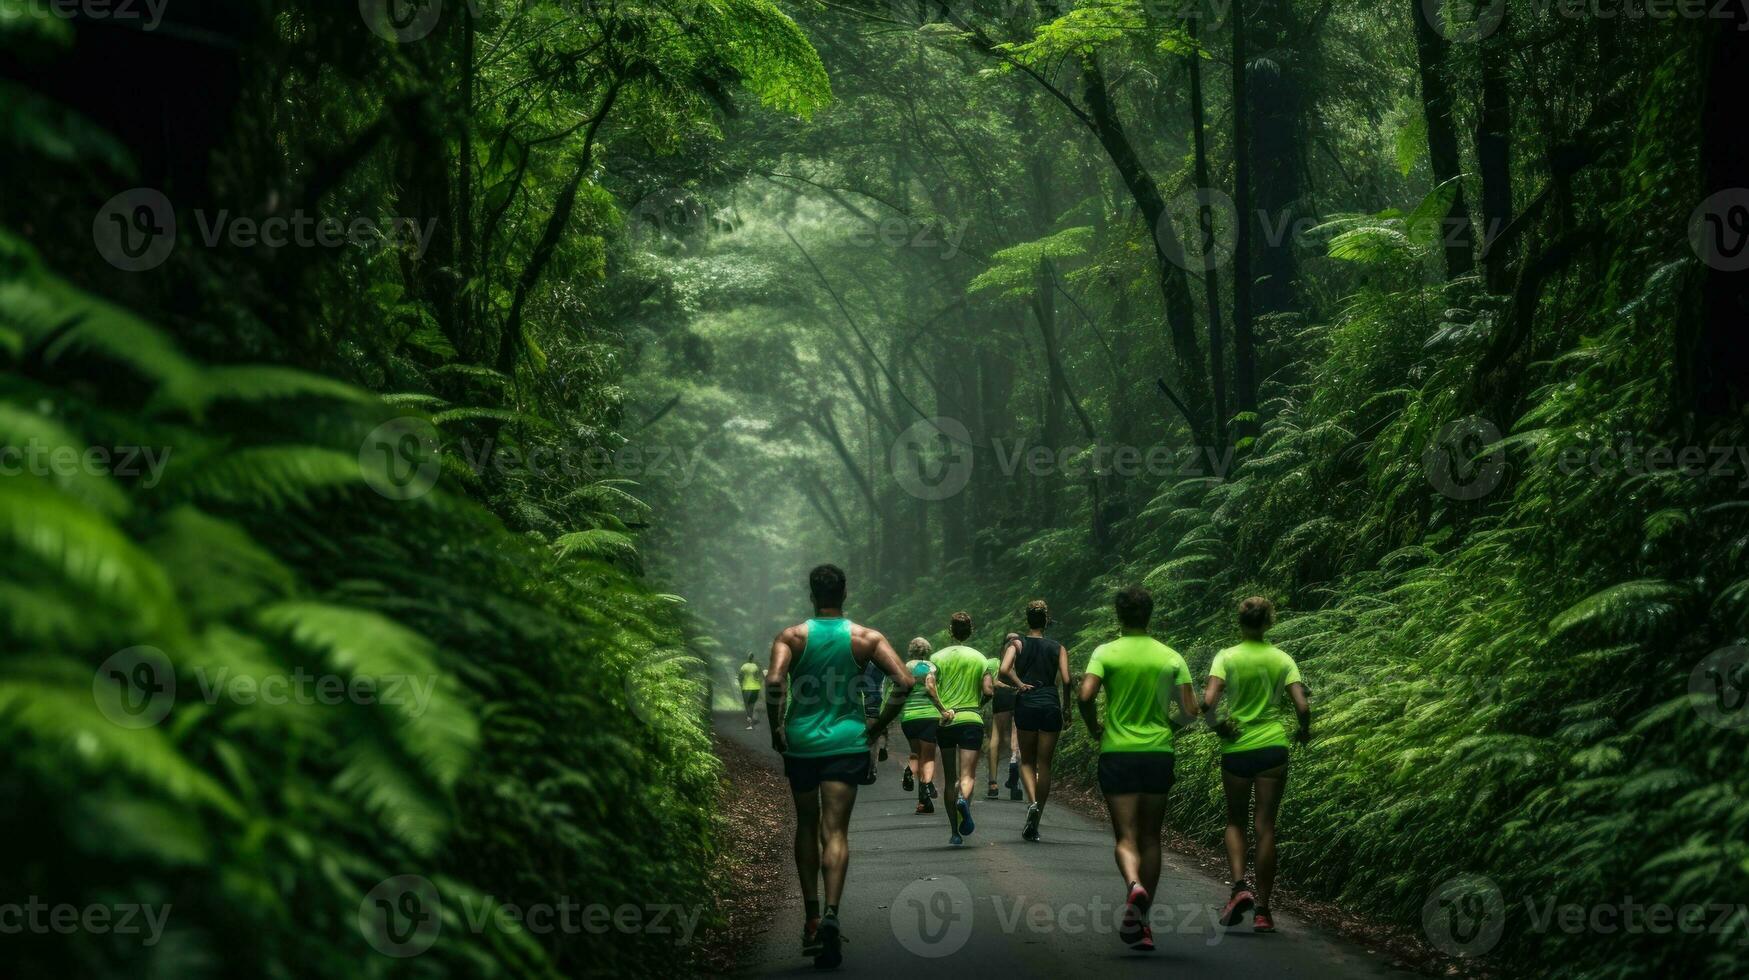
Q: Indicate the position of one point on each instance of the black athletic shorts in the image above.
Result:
(921, 730)
(1039, 716)
(806, 775)
(1251, 762)
(961, 734)
(751, 698)
(1135, 772)
(1005, 699)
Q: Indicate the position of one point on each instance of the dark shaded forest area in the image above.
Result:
(528, 352)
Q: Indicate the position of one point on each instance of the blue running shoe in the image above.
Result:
(966, 825)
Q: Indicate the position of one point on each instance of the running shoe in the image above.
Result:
(868, 778)
(831, 945)
(925, 806)
(905, 781)
(882, 757)
(1263, 922)
(1030, 831)
(955, 840)
(966, 825)
(1132, 928)
(933, 792)
(1146, 945)
(1014, 775)
(811, 938)
(992, 792)
(1241, 902)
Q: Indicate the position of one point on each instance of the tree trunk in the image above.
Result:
(1168, 253)
(1278, 155)
(1244, 354)
(1494, 157)
(1431, 49)
(1211, 283)
(1720, 365)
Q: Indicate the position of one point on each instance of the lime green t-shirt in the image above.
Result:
(959, 682)
(1141, 677)
(1257, 676)
(917, 705)
(750, 679)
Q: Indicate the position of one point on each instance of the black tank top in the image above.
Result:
(1036, 664)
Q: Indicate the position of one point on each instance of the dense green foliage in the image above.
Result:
(528, 735)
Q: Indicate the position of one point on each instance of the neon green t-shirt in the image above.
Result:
(1141, 677)
(917, 705)
(750, 679)
(959, 682)
(1257, 676)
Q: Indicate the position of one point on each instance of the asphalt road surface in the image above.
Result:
(1008, 908)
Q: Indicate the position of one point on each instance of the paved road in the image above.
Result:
(1015, 909)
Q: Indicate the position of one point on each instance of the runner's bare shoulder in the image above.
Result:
(865, 641)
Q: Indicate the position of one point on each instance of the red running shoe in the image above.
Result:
(1132, 928)
(1263, 922)
(1241, 902)
(1146, 945)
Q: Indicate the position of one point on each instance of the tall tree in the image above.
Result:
(1432, 51)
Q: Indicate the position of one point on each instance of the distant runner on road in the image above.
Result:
(965, 684)
(817, 723)
(920, 718)
(1253, 679)
(1000, 731)
(752, 682)
(1141, 677)
(1038, 667)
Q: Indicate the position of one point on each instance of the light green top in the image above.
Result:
(825, 714)
(1257, 676)
(917, 706)
(750, 680)
(959, 682)
(1141, 677)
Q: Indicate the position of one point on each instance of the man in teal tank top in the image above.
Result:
(814, 702)
(965, 682)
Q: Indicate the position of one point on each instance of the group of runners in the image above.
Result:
(833, 688)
